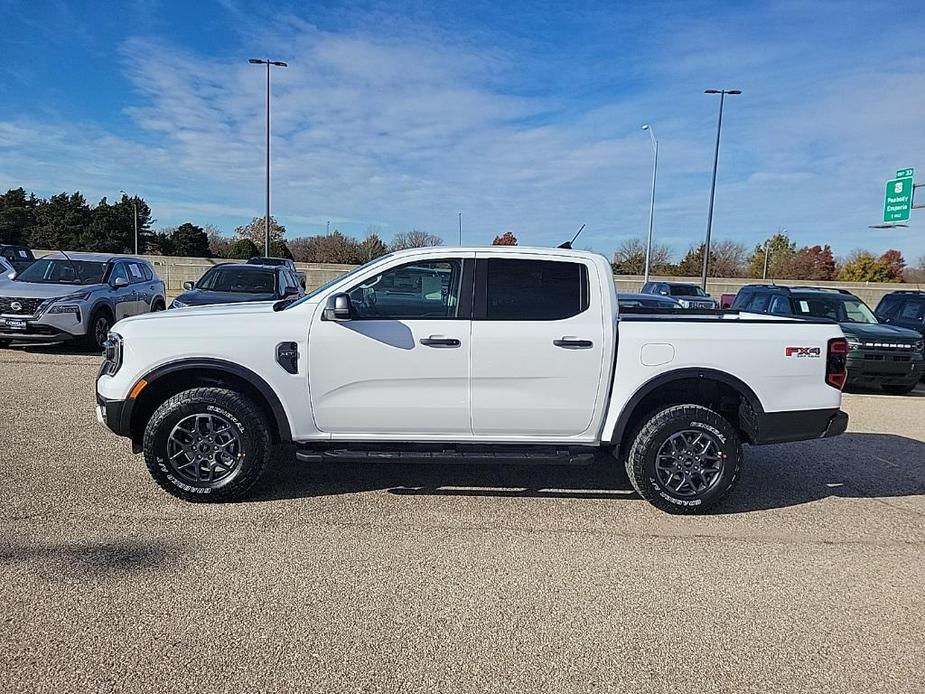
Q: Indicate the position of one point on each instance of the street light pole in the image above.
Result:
(266, 225)
(764, 275)
(719, 126)
(460, 228)
(652, 199)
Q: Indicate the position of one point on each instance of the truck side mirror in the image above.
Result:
(290, 291)
(188, 285)
(339, 308)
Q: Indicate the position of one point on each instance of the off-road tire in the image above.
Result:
(91, 341)
(656, 430)
(249, 424)
(897, 389)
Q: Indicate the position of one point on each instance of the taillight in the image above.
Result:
(836, 363)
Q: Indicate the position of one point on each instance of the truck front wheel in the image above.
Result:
(207, 445)
(684, 459)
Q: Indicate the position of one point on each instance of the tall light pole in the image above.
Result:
(460, 228)
(135, 208)
(719, 126)
(268, 63)
(652, 199)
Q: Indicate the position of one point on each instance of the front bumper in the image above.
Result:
(54, 327)
(114, 415)
(887, 368)
(798, 425)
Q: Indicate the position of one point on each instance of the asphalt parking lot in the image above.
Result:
(449, 579)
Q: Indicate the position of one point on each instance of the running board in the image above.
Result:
(443, 454)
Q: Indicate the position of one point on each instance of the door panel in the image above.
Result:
(535, 377)
(401, 367)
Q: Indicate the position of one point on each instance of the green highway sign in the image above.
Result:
(897, 203)
(905, 173)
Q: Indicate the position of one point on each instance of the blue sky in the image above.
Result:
(524, 116)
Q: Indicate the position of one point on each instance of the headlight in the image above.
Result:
(177, 304)
(64, 308)
(112, 354)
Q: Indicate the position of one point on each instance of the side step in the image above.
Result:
(447, 454)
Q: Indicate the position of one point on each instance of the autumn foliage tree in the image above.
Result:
(505, 239)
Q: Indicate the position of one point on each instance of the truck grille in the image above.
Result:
(887, 346)
(14, 306)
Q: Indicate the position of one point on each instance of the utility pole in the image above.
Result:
(764, 275)
(719, 127)
(652, 199)
(266, 225)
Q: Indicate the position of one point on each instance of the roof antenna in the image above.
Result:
(568, 244)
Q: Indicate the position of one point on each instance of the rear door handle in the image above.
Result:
(436, 341)
(572, 343)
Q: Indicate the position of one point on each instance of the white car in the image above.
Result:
(505, 354)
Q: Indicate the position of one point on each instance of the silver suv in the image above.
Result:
(76, 297)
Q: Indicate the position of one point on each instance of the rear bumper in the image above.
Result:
(798, 425)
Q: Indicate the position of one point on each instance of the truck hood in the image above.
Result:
(40, 290)
(879, 331)
(234, 311)
(198, 297)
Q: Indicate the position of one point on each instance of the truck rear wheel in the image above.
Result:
(207, 445)
(684, 459)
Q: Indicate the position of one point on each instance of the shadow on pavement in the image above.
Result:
(852, 465)
(91, 558)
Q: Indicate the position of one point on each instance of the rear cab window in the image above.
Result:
(531, 290)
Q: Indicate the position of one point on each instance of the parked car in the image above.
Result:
(237, 282)
(689, 295)
(904, 309)
(7, 271)
(637, 302)
(284, 262)
(20, 257)
(76, 297)
(879, 355)
(508, 354)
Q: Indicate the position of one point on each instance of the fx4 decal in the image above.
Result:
(803, 352)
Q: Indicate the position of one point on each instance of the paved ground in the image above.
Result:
(446, 579)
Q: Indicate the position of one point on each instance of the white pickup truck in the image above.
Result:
(468, 355)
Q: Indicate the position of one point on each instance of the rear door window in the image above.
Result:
(535, 289)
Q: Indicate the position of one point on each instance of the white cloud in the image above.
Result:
(407, 128)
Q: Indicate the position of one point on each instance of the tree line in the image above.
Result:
(784, 261)
(67, 221)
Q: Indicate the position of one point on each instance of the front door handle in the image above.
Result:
(436, 341)
(572, 343)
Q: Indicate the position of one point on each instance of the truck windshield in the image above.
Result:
(62, 271)
(331, 282)
(232, 279)
(685, 290)
(851, 310)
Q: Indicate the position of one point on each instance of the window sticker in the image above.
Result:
(804, 307)
(135, 270)
(23, 254)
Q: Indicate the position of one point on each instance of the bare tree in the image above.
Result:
(415, 239)
(630, 258)
(728, 259)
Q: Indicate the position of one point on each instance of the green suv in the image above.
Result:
(879, 355)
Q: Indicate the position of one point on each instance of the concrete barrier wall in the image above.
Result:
(175, 271)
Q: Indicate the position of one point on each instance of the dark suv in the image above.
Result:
(879, 354)
(905, 309)
(688, 295)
